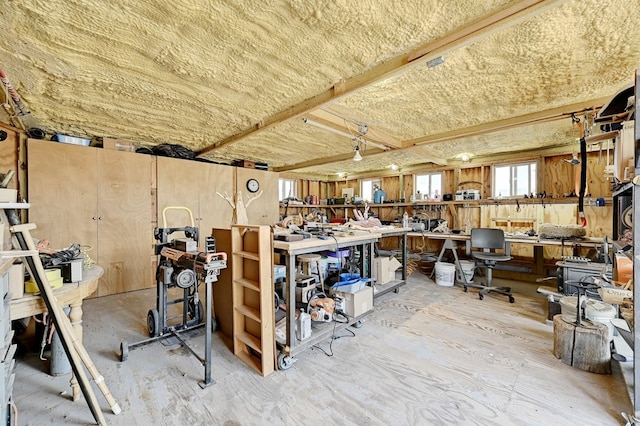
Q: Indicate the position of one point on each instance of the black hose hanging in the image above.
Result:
(583, 180)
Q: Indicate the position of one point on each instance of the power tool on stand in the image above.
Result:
(181, 265)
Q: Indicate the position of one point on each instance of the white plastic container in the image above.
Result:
(303, 326)
(468, 267)
(602, 312)
(445, 274)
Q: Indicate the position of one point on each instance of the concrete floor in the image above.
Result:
(429, 355)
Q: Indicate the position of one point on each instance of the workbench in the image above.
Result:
(361, 240)
(536, 242)
(71, 294)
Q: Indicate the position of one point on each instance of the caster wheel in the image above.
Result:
(195, 312)
(480, 296)
(357, 324)
(152, 322)
(285, 362)
(396, 290)
(465, 289)
(124, 351)
(511, 299)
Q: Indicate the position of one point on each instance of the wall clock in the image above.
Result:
(253, 185)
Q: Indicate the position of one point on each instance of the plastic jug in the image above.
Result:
(379, 196)
(303, 326)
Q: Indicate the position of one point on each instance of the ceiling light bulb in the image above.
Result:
(394, 167)
(357, 156)
(465, 157)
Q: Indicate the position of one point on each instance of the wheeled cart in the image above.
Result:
(321, 331)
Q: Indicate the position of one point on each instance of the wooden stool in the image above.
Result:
(308, 259)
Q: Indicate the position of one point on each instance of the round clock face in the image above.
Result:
(253, 185)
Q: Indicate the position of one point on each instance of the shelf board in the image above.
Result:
(601, 137)
(250, 284)
(249, 312)
(252, 341)
(250, 360)
(514, 219)
(481, 202)
(247, 255)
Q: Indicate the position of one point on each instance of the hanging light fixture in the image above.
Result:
(357, 156)
(363, 128)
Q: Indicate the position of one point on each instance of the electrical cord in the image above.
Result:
(334, 337)
(50, 260)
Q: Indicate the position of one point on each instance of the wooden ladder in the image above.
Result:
(74, 349)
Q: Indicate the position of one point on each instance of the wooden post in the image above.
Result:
(585, 347)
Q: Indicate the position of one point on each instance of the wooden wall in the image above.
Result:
(556, 177)
(9, 154)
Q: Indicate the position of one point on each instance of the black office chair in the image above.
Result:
(489, 239)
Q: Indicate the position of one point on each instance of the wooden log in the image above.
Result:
(585, 347)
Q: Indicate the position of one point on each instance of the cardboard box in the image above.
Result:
(8, 195)
(384, 269)
(356, 304)
(16, 280)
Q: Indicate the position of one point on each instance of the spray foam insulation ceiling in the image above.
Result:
(235, 80)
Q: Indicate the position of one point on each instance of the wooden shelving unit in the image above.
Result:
(252, 289)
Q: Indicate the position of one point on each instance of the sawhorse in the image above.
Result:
(448, 245)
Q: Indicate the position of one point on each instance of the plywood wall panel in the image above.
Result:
(408, 186)
(560, 176)
(391, 185)
(599, 221)
(448, 182)
(471, 178)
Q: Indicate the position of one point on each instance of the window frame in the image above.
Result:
(532, 178)
(375, 182)
(431, 192)
(282, 187)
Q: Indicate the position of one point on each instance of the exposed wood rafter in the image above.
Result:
(528, 119)
(508, 16)
(510, 123)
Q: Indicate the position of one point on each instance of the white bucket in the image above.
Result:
(468, 267)
(445, 274)
(601, 312)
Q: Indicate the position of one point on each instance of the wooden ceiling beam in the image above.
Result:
(509, 123)
(527, 119)
(325, 160)
(512, 14)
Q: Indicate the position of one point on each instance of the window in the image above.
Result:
(287, 189)
(429, 185)
(511, 180)
(369, 186)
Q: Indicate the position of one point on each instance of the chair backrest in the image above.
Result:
(487, 238)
